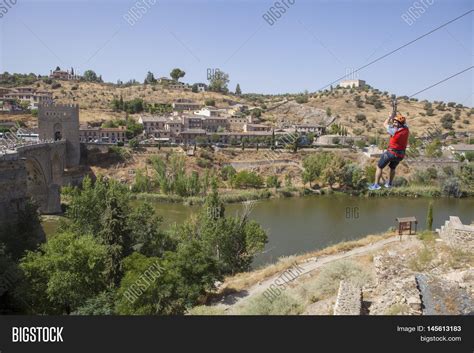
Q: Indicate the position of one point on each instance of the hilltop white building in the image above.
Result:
(352, 83)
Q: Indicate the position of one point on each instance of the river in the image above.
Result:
(301, 224)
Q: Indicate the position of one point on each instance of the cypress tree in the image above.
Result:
(429, 217)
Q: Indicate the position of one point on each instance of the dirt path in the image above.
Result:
(231, 301)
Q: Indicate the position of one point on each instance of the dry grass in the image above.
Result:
(398, 309)
(326, 283)
(283, 304)
(204, 310)
(459, 258)
(422, 259)
(247, 279)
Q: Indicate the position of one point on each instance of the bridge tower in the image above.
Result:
(61, 122)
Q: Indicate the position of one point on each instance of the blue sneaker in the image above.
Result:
(388, 185)
(374, 187)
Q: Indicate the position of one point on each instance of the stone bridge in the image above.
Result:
(37, 170)
(44, 163)
(34, 171)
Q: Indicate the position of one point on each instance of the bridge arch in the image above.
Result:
(36, 183)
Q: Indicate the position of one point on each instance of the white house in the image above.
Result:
(461, 148)
(352, 83)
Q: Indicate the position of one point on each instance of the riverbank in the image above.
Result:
(238, 196)
(247, 279)
(227, 196)
(381, 272)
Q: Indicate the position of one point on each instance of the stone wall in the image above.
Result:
(456, 234)
(396, 286)
(12, 187)
(349, 299)
(61, 121)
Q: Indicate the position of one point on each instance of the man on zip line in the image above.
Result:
(398, 130)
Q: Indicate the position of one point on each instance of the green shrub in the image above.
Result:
(203, 163)
(399, 181)
(451, 187)
(227, 172)
(370, 173)
(469, 156)
(273, 182)
(301, 99)
(245, 179)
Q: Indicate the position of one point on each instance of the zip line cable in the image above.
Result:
(439, 82)
(399, 48)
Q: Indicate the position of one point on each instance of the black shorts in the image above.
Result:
(390, 159)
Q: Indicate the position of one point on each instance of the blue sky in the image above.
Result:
(312, 44)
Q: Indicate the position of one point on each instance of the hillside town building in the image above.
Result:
(14, 98)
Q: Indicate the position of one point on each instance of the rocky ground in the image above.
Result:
(419, 275)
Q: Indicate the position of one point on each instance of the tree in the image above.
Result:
(90, 76)
(429, 217)
(238, 91)
(64, 273)
(133, 143)
(353, 177)
(466, 175)
(210, 102)
(150, 78)
(219, 82)
(116, 237)
(102, 304)
(447, 121)
(174, 282)
(314, 165)
(334, 171)
(469, 156)
(25, 234)
(232, 241)
(100, 209)
(256, 113)
(176, 74)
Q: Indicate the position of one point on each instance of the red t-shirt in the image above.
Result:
(399, 139)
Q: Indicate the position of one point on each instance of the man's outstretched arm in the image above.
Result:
(390, 129)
